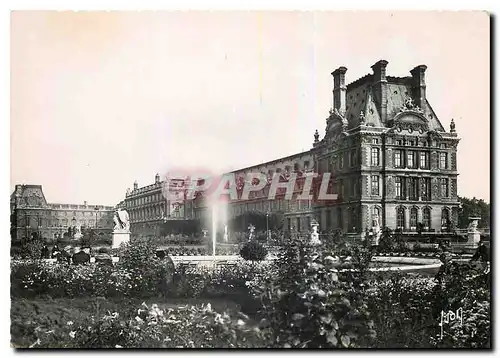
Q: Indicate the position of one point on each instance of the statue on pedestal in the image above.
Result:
(315, 235)
(473, 233)
(377, 232)
(122, 221)
(121, 231)
(252, 229)
(78, 232)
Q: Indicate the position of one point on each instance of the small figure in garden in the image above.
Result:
(56, 252)
(45, 252)
(65, 255)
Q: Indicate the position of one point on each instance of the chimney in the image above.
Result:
(157, 178)
(339, 89)
(136, 186)
(418, 84)
(380, 86)
(85, 203)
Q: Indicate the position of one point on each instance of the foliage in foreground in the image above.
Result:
(311, 296)
(309, 303)
(152, 327)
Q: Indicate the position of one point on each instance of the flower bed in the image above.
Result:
(105, 324)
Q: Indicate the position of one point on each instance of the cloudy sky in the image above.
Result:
(101, 99)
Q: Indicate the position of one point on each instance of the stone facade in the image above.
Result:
(408, 161)
(31, 215)
(386, 150)
(149, 207)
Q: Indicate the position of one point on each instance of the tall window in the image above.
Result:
(398, 162)
(424, 160)
(375, 185)
(328, 220)
(426, 218)
(411, 159)
(289, 223)
(341, 183)
(444, 187)
(340, 219)
(443, 160)
(375, 156)
(412, 188)
(398, 181)
(341, 161)
(445, 220)
(400, 217)
(353, 158)
(413, 218)
(354, 187)
(425, 188)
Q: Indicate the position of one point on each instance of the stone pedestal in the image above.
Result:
(120, 237)
(473, 238)
(473, 235)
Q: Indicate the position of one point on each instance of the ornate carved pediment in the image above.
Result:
(411, 121)
(434, 135)
(409, 105)
(336, 122)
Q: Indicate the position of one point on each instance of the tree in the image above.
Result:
(253, 251)
(474, 207)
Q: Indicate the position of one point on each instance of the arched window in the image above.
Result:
(400, 217)
(426, 218)
(413, 218)
(445, 220)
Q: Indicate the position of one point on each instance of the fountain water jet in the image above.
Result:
(214, 227)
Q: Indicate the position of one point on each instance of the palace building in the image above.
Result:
(32, 216)
(149, 208)
(390, 158)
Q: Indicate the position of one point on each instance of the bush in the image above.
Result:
(138, 274)
(253, 251)
(308, 303)
(407, 309)
(151, 327)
